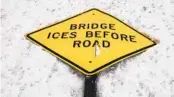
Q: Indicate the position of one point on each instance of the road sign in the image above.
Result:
(91, 41)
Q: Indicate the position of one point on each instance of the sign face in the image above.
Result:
(91, 41)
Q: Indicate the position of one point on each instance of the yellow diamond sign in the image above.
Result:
(91, 41)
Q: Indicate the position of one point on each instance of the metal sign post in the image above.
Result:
(90, 87)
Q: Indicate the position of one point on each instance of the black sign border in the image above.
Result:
(77, 66)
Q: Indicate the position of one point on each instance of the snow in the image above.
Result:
(28, 71)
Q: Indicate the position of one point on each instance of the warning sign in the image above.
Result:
(91, 41)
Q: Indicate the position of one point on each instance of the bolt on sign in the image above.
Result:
(91, 41)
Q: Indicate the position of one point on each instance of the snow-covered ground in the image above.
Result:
(28, 71)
